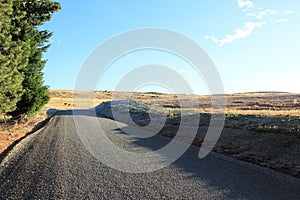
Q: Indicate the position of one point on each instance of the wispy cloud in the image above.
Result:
(286, 12)
(282, 20)
(261, 14)
(259, 20)
(238, 34)
(289, 12)
(248, 4)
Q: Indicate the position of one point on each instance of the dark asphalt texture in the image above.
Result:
(54, 164)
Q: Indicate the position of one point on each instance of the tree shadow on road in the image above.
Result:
(236, 179)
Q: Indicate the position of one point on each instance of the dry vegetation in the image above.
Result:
(263, 128)
(263, 104)
(13, 130)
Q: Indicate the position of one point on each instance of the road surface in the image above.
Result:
(54, 164)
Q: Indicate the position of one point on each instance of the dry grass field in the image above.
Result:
(262, 128)
(265, 104)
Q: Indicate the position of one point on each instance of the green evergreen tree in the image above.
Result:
(13, 58)
(35, 94)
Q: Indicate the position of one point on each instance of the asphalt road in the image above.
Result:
(54, 164)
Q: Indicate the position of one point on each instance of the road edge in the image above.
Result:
(15, 148)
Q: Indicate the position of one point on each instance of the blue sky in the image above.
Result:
(255, 45)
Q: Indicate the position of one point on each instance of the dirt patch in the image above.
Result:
(14, 130)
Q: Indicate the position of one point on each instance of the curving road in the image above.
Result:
(54, 164)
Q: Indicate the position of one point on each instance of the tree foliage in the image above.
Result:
(22, 51)
(14, 55)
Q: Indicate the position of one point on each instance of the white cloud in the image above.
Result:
(247, 4)
(281, 20)
(211, 38)
(257, 14)
(262, 14)
(238, 34)
(266, 12)
(289, 12)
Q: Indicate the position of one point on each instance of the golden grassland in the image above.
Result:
(266, 104)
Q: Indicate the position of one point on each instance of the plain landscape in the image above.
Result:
(260, 128)
(71, 143)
